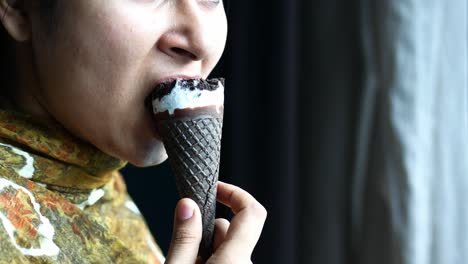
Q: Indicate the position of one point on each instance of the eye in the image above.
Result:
(211, 2)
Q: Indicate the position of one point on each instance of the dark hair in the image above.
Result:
(7, 63)
(46, 6)
(47, 10)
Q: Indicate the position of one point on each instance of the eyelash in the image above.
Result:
(214, 2)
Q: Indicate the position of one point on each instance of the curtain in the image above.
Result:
(410, 187)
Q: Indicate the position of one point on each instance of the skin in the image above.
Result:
(92, 70)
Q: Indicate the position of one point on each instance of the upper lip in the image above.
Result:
(175, 77)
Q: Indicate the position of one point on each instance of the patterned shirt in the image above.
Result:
(64, 201)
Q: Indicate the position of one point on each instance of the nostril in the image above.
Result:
(184, 53)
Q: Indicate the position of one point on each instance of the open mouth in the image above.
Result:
(166, 83)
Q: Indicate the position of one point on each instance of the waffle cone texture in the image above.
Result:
(193, 146)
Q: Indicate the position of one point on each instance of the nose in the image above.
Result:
(186, 39)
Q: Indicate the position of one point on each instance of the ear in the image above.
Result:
(15, 19)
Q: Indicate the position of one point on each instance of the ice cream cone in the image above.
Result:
(192, 138)
(193, 147)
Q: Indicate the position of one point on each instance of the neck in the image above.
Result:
(23, 95)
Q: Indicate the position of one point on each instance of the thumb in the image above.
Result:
(187, 233)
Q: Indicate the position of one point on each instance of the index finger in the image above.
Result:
(247, 224)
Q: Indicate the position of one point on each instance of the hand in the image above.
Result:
(234, 242)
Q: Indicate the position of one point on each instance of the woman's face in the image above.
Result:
(98, 64)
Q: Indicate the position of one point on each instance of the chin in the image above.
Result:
(150, 158)
(142, 163)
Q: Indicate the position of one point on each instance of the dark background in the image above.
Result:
(293, 71)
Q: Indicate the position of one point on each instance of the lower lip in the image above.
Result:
(173, 78)
(153, 124)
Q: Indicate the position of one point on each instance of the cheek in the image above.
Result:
(217, 28)
(102, 55)
(222, 28)
(116, 50)
(89, 73)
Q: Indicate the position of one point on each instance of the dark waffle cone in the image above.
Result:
(193, 146)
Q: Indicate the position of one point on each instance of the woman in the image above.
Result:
(75, 114)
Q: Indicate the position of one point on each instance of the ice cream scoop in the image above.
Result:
(189, 116)
(182, 94)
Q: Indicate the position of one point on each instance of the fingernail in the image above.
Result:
(184, 212)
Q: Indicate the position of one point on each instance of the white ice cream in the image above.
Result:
(182, 98)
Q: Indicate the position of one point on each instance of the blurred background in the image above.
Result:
(348, 120)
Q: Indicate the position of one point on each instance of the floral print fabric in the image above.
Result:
(64, 201)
